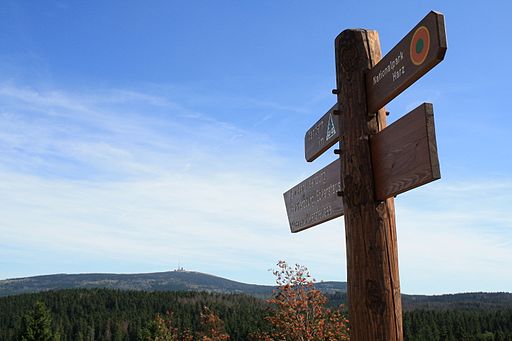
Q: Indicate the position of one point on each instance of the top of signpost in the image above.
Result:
(417, 53)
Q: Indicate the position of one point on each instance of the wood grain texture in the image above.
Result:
(322, 135)
(396, 71)
(373, 290)
(315, 200)
(404, 155)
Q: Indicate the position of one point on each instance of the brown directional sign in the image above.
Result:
(322, 135)
(404, 155)
(418, 52)
(315, 200)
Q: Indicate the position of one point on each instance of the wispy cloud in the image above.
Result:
(125, 180)
(127, 175)
(456, 236)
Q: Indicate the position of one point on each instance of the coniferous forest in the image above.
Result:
(104, 314)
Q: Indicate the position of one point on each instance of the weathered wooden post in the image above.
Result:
(375, 307)
(376, 163)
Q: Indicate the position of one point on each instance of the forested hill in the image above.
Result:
(473, 300)
(106, 314)
(103, 314)
(158, 281)
(200, 282)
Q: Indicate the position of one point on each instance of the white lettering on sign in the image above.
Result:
(394, 63)
(398, 73)
(315, 131)
(312, 197)
(318, 215)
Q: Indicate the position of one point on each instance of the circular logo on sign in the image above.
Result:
(420, 45)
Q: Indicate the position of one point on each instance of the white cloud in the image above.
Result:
(456, 237)
(82, 178)
(121, 180)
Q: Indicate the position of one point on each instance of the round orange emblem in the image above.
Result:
(420, 45)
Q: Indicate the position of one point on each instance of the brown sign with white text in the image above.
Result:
(322, 135)
(315, 200)
(418, 52)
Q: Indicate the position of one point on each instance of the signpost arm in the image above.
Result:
(374, 301)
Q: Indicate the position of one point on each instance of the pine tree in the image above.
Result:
(37, 325)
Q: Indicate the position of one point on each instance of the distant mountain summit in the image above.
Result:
(182, 280)
(177, 280)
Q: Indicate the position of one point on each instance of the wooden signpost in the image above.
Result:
(376, 163)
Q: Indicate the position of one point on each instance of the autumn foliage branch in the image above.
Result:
(300, 312)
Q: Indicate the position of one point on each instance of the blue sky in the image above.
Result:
(137, 136)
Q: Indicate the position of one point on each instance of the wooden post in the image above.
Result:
(375, 309)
